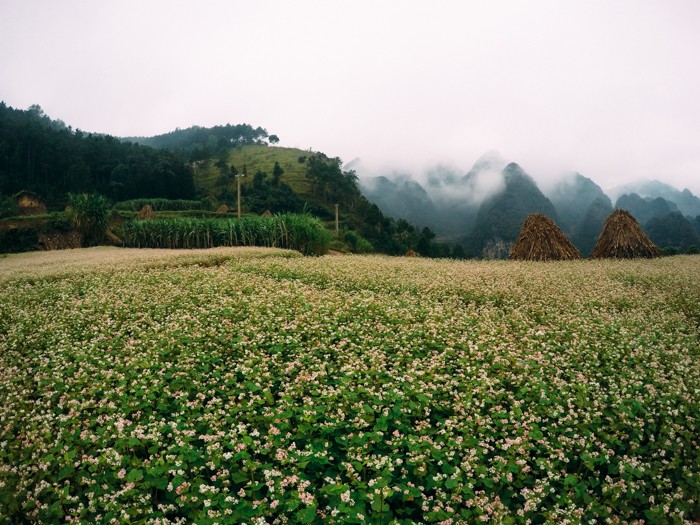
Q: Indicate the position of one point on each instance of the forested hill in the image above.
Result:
(52, 159)
(292, 180)
(200, 143)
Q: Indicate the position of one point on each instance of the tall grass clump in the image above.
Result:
(89, 214)
(303, 233)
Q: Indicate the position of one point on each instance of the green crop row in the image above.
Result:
(291, 231)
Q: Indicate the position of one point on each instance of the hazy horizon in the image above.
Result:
(605, 89)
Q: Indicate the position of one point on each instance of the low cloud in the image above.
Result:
(447, 185)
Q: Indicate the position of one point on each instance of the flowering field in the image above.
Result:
(258, 386)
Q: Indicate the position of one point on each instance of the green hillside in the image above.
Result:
(195, 168)
(256, 158)
(263, 158)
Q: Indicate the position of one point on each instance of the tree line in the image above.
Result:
(46, 156)
(199, 143)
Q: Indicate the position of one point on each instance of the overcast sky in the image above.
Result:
(608, 88)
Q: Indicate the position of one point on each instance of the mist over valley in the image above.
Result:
(484, 207)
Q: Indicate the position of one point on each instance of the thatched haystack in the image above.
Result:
(147, 212)
(29, 203)
(222, 209)
(540, 239)
(623, 238)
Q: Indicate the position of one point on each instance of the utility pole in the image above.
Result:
(337, 224)
(238, 186)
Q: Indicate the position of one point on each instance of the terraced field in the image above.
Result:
(258, 386)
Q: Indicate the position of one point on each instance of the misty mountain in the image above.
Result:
(447, 203)
(687, 203)
(645, 209)
(501, 216)
(402, 198)
(586, 233)
(583, 207)
(573, 197)
(491, 201)
(483, 180)
(695, 223)
(491, 161)
(488, 203)
(672, 229)
(441, 178)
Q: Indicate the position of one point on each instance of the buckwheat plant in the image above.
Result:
(259, 386)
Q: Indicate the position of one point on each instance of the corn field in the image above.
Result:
(290, 231)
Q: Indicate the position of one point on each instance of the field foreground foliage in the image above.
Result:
(258, 386)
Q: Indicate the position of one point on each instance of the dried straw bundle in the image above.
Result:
(541, 239)
(623, 238)
(147, 212)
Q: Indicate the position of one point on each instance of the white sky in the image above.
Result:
(609, 88)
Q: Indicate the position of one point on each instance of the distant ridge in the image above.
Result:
(501, 216)
(486, 203)
(687, 203)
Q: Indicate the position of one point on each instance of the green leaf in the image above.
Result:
(239, 476)
(652, 515)
(252, 386)
(161, 483)
(451, 483)
(536, 433)
(135, 475)
(56, 509)
(65, 472)
(307, 515)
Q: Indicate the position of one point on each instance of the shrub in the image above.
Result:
(669, 251)
(304, 233)
(358, 244)
(8, 207)
(89, 214)
(17, 240)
